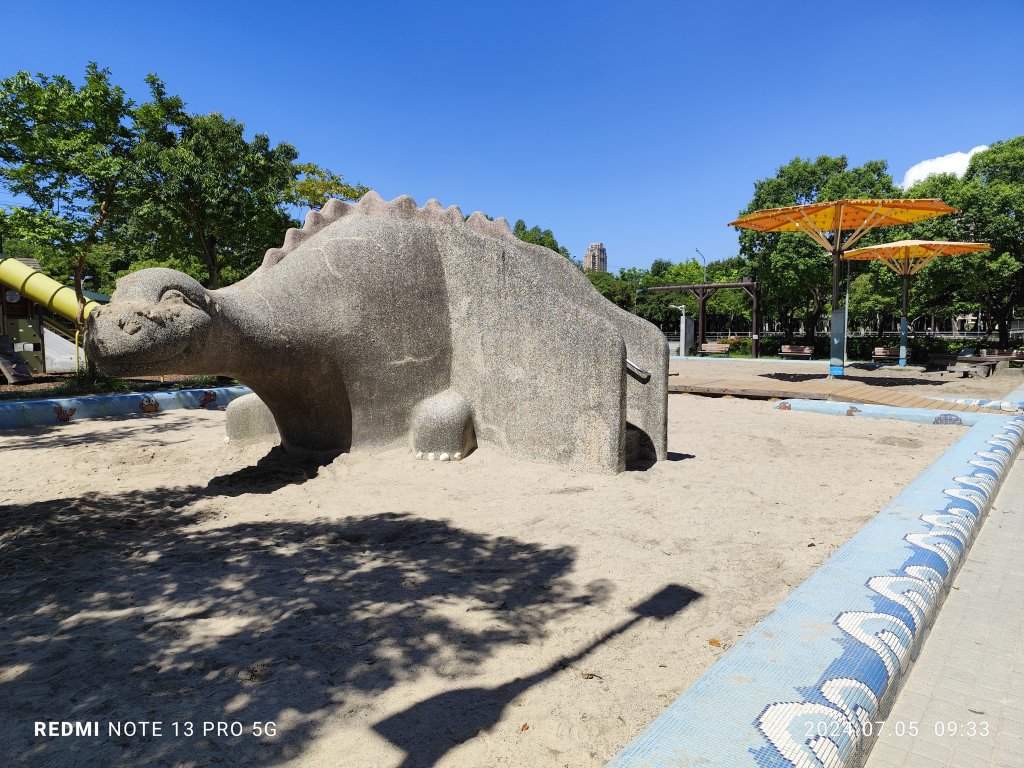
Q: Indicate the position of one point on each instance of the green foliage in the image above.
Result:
(991, 198)
(617, 291)
(537, 236)
(794, 272)
(112, 186)
(313, 186)
(211, 202)
(70, 151)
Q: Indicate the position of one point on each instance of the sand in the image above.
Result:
(383, 611)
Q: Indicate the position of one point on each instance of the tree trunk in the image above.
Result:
(811, 328)
(1002, 317)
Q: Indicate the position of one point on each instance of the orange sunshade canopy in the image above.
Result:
(842, 215)
(907, 257)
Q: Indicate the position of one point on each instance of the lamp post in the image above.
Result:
(705, 265)
(682, 328)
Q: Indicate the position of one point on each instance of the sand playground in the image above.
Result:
(382, 611)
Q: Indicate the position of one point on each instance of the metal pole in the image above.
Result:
(682, 331)
(838, 329)
(705, 265)
(903, 319)
(846, 312)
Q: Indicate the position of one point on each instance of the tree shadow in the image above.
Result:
(430, 729)
(873, 381)
(137, 606)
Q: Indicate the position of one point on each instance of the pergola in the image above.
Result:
(704, 291)
(825, 222)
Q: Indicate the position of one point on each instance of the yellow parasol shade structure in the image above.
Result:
(820, 220)
(906, 258)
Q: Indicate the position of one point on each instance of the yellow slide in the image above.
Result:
(41, 289)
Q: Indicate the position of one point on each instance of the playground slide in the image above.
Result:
(41, 289)
(37, 287)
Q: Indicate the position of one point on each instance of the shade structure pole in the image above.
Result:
(837, 361)
(838, 331)
(903, 319)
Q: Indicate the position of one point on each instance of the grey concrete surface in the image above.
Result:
(962, 705)
(372, 309)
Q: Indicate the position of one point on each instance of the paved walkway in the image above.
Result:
(965, 695)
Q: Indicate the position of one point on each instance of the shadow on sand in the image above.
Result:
(138, 606)
(427, 731)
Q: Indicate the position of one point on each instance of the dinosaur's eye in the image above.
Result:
(173, 294)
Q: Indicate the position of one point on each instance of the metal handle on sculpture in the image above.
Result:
(641, 373)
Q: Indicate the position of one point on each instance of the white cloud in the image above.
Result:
(954, 162)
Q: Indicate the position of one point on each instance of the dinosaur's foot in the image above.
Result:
(432, 456)
(442, 428)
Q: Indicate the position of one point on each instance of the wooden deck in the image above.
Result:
(835, 390)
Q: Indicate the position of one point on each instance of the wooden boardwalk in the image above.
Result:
(835, 390)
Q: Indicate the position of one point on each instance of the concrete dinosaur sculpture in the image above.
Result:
(380, 324)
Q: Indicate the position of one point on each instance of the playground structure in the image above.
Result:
(27, 295)
(318, 336)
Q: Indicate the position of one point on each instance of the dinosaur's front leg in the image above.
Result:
(442, 427)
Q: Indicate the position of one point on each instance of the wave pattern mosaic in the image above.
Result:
(806, 686)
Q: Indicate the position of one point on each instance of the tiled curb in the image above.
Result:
(31, 413)
(865, 410)
(800, 687)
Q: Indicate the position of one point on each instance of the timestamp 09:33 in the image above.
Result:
(900, 728)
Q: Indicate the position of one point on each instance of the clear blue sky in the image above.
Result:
(642, 125)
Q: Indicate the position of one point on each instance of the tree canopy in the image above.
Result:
(105, 185)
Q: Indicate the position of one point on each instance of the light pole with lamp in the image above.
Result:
(705, 265)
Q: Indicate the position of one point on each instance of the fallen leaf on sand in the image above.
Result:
(715, 642)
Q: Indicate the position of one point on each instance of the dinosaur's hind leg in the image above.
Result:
(442, 427)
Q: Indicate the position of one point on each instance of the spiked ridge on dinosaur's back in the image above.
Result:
(372, 204)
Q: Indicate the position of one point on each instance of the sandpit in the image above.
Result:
(383, 611)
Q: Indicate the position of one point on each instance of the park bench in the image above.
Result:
(886, 354)
(713, 349)
(795, 350)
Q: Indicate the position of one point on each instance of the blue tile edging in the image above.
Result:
(806, 686)
(866, 410)
(32, 413)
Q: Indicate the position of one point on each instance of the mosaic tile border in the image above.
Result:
(33, 413)
(801, 688)
(869, 411)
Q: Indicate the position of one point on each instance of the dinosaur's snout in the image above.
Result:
(149, 331)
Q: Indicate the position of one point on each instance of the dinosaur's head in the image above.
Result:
(158, 321)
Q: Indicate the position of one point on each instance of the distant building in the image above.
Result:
(596, 258)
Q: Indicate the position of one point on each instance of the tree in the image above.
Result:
(729, 304)
(538, 237)
(211, 203)
(795, 273)
(110, 186)
(991, 199)
(617, 291)
(313, 186)
(71, 153)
